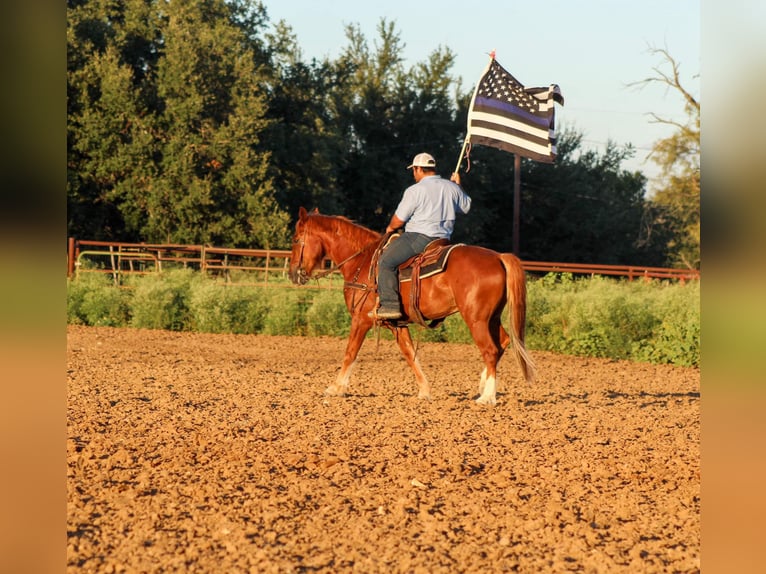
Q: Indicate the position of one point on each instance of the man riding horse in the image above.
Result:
(427, 211)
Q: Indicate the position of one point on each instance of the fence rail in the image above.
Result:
(120, 259)
(629, 271)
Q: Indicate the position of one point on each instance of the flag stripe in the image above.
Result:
(513, 139)
(509, 110)
(535, 134)
(505, 133)
(522, 151)
(506, 115)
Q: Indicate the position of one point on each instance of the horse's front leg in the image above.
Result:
(359, 327)
(408, 350)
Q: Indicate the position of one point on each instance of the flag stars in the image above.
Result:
(508, 116)
(498, 84)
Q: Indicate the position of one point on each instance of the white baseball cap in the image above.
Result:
(423, 160)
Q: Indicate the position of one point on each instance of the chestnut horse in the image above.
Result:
(477, 282)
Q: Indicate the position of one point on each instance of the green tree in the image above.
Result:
(196, 122)
(583, 208)
(305, 145)
(166, 112)
(386, 114)
(677, 197)
(101, 92)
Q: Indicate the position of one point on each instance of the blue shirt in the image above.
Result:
(431, 205)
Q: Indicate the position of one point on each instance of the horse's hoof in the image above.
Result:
(486, 401)
(334, 392)
(424, 396)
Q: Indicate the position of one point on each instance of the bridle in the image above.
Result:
(322, 274)
(300, 271)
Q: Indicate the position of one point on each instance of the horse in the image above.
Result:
(477, 282)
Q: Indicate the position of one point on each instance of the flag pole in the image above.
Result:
(462, 152)
(473, 98)
(516, 202)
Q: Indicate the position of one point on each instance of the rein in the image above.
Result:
(335, 267)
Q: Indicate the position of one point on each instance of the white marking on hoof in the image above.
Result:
(488, 394)
(483, 380)
(335, 391)
(482, 400)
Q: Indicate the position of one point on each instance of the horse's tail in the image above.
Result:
(516, 290)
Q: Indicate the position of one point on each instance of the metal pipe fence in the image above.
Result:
(261, 266)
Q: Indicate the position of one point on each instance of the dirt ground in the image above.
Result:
(219, 453)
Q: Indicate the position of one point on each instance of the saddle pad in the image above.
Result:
(434, 261)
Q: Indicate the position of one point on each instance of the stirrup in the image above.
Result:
(385, 314)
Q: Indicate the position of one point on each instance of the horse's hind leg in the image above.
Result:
(491, 355)
(408, 350)
(359, 329)
(486, 339)
(499, 335)
(483, 380)
(501, 339)
(488, 386)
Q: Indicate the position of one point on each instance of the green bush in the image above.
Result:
(93, 299)
(161, 301)
(328, 315)
(675, 338)
(220, 308)
(287, 312)
(75, 293)
(599, 317)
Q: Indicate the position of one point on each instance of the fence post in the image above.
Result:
(115, 265)
(70, 257)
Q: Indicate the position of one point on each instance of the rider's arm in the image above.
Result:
(394, 224)
(464, 200)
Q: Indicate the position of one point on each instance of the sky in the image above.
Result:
(593, 49)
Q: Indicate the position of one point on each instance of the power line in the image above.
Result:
(597, 111)
(605, 143)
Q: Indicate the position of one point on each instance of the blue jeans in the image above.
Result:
(397, 252)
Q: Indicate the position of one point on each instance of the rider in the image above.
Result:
(428, 208)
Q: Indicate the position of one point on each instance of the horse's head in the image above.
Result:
(308, 250)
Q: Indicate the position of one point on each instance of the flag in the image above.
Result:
(506, 115)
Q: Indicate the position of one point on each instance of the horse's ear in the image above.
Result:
(316, 210)
(302, 214)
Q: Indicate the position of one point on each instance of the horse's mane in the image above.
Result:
(353, 233)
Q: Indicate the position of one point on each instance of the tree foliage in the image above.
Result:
(302, 138)
(201, 122)
(583, 207)
(677, 199)
(165, 115)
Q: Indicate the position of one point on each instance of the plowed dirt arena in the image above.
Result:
(219, 453)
